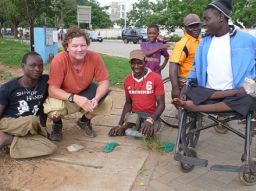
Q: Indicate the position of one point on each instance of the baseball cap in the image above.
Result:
(137, 54)
(191, 19)
(224, 6)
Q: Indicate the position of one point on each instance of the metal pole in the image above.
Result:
(125, 15)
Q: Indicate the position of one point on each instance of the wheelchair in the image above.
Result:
(190, 126)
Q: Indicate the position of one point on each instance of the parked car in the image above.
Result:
(134, 35)
(95, 37)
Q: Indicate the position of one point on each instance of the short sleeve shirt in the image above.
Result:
(144, 92)
(63, 74)
(153, 62)
(183, 54)
(20, 101)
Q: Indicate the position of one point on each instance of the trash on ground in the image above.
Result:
(74, 147)
(109, 147)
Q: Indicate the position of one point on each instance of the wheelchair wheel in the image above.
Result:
(248, 178)
(170, 114)
(192, 135)
(189, 134)
(188, 167)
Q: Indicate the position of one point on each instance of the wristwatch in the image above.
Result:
(71, 98)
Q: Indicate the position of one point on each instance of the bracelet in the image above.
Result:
(150, 120)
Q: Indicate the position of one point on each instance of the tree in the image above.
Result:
(120, 22)
(140, 13)
(170, 13)
(2, 18)
(31, 10)
(12, 14)
(244, 12)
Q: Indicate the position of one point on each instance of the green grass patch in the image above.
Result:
(155, 144)
(118, 68)
(12, 51)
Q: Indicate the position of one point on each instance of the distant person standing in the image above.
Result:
(154, 49)
(183, 54)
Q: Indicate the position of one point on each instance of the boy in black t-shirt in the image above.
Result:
(20, 107)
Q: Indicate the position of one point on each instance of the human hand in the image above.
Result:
(95, 103)
(175, 92)
(164, 46)
(147, 129)
(162, 39)
(117, 131)
(84, 103)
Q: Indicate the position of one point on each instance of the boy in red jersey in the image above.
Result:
(145, 102)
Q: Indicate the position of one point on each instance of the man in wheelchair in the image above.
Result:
(224, 59)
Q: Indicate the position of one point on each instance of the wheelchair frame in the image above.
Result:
(189, 128)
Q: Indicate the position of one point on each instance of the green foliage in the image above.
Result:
(170, 13)
(244, 11)
(153, 143)
(120, 22)
(58, 13)
(62, 13)
(174, 38)
(156, 144)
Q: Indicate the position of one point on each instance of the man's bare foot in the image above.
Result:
(189, 105)
(5, 139)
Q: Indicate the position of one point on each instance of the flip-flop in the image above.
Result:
(168, 147)
(109, 147)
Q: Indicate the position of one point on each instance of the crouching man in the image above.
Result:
(144, 92)
(71, 84)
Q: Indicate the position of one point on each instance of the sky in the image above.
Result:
(107, 2)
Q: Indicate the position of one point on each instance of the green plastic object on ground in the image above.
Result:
(109, 147)
(168, 147)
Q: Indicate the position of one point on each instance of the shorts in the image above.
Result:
(134, 120)
(29, 137)
(240, 103)
(55, 107)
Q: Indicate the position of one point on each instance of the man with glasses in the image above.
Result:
(144, 93)
(71, 87)
(183, 54)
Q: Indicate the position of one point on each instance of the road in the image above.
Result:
(118, 48)
(114, 47)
